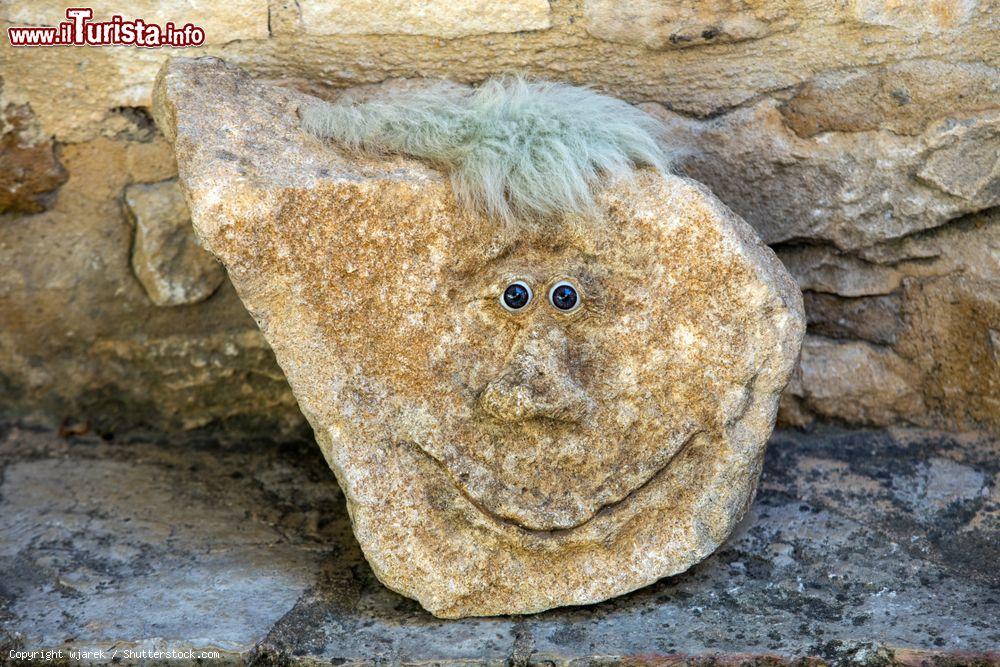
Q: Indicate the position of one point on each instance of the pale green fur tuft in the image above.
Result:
(515, 149)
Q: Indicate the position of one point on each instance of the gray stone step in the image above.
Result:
(862, 547)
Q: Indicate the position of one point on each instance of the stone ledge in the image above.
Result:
(863, 547)
(446, 19)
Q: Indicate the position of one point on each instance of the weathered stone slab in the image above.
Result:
(852, 189)
(822, 269)
(495, 462)
(902, 97)
(156, 543)
(873, 319)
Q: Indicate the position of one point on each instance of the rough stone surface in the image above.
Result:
(81, 339)
(970, 246)
(874, 319)
(855, 381)
(825, 270)
(166, 258)
(903, 97)
(845, 559)
(930, 303)
(951, 335)
(29, 168)
(935, 16)
(437, 18)
(679, 24)
(495, 462)
(852, 190)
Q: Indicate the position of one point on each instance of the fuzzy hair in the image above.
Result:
(514, 148)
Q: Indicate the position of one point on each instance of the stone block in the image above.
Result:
(435, 18)
(166, 258)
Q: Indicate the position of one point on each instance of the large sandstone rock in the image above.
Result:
(492, 462)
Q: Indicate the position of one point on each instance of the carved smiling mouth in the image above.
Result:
(550, 442)
(619, 501)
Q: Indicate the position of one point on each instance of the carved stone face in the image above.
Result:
(496, 459)
(544, 416)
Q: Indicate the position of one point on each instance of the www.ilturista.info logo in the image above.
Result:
(79, 30)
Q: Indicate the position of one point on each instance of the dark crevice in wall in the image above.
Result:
(141, 126)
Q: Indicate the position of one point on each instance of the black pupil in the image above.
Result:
(515, 296)
(564, 297)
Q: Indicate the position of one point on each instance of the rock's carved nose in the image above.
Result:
(537, 382)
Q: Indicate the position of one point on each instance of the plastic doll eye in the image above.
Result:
(564, 296)
(516, 296)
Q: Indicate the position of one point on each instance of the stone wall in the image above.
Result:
(860, 138)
